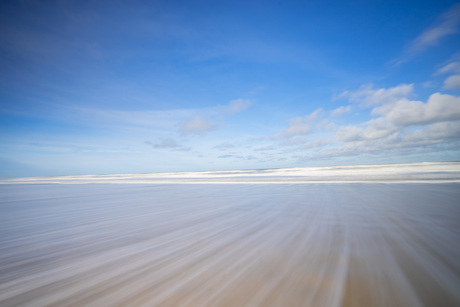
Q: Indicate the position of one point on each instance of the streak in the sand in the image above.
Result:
(322, 244)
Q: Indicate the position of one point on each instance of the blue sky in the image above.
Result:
(96, 87)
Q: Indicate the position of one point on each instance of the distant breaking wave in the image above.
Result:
(441, 172)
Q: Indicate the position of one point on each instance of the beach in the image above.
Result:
(331, 243)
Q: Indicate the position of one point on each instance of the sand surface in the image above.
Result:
(352, 244)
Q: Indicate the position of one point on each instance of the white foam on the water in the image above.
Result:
(441, 172)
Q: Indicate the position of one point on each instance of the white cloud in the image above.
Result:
(341, 110)
(394, 116)
(349, 133)
(200, 123)
(449, 68)
(447, 24)
(452, 82)
(368, 96)
(401, 126)
(374, 129)
(190, 121)
(197, 125)
(431, 36)
(433, 134)
(299, 125)
(236, 106)
(439, 108)
(397, 109)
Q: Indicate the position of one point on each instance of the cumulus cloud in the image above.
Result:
(433, 134)
(197, 125)
(374, 129)
(431, 138)
(395, 114)
(400, 124)
(439, 108)
(368, 96)
(452, 82)
(341, 110)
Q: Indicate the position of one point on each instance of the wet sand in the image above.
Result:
(326, 244)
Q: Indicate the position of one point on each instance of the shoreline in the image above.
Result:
(442, 172)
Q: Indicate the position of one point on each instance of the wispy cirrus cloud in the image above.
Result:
(447, 24)
(453, 67)
(299, 126)
(341, 110)
(183, 121)
(236, 106)
(452, 82)
(209, 119)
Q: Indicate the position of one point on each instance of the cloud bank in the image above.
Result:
(399, 122)
(399, 125)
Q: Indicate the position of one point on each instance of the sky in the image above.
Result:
(104, 87)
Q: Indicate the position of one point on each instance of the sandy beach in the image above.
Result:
(300, 244)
